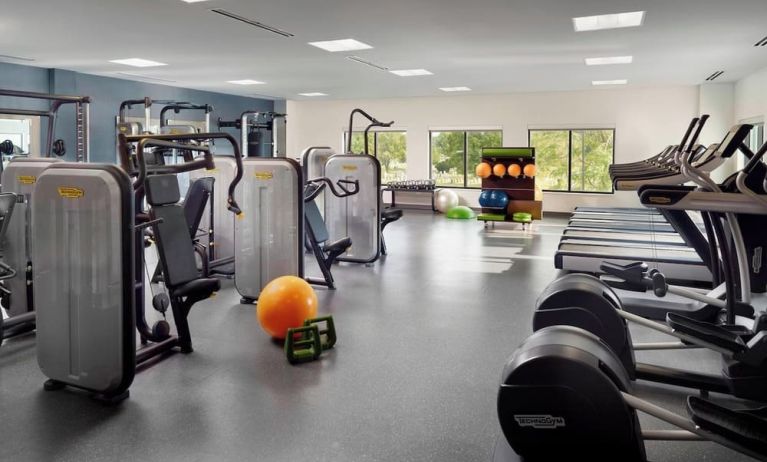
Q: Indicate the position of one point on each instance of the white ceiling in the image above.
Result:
(492, 46)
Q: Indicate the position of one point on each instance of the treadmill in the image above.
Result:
(678, 264)
(656, 167)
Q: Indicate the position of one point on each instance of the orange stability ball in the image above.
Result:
(499, 170)
(483, 170)
(514, 170)
(530, 170)
(284, 303)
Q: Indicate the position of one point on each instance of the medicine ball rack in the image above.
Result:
(520, 189)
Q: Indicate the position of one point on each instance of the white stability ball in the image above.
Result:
(446, 199)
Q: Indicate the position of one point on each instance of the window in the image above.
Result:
(17, 131)
(454, 154)
(389, 147)
(756, 137)
(576, 160)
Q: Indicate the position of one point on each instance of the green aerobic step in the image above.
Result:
(522, 217)
(491, 217)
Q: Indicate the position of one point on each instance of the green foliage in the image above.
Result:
(389, 147)
(448, 150)
(591, 156)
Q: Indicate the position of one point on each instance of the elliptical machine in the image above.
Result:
(564, 395)
(740, 335)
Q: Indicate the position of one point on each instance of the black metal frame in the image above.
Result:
(570, 156)
(465, 155)
(81, 103)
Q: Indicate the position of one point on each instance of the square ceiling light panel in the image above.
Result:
(608, 21)
(411, 72)
(335, 46)
(138, 62)
(610, 82)
(609, 60)
(245, 82)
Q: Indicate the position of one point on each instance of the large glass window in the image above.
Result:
(389, 147)
(455, 153)
(575, 160)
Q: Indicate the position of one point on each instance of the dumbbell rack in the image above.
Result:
(521, 190)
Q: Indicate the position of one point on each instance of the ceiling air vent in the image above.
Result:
(357, 59)
(714, 76)
(260, 25)
(761, 43)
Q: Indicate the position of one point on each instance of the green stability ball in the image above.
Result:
(461, 212)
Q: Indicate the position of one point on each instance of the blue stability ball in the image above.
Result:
(492, 198)
(502, 199)
(484, 198)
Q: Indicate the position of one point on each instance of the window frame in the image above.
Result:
(570, 131)
(466, 132)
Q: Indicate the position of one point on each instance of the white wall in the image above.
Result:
(646, 120)
(751, 97)
(718, 100)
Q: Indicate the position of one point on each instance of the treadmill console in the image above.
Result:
(733, 140)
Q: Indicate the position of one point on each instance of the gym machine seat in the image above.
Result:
(325, 252)
(388, 215)
(176, 251)
(197, 196)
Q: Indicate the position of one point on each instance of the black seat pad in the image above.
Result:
(339, 245)
(198, 288)
(391, 214)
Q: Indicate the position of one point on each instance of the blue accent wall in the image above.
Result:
(106, 95)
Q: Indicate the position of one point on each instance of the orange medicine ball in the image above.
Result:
(483, 170)
(514, 170)
(499, 170)
(530, 170)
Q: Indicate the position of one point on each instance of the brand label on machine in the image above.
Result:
(71, 192)
(756, 261)
(660, 200)
(540, 422)
(264, 175)
(349, 168)
(26, 179)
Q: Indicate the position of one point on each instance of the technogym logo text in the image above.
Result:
(540, 422)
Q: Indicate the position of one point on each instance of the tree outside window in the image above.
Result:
(575, 160)
(455, 153)
(389, 147)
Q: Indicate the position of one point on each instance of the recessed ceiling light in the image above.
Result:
(137, 62)
(194, 1)
(411, 72)
(245, 82)
(609, 60)
(313, 93)
(610, 82)
(452, 89)
(608, 21)
(341, 45)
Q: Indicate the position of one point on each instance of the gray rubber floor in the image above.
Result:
(423, 337)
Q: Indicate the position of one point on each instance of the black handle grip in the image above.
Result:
(695, 137)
